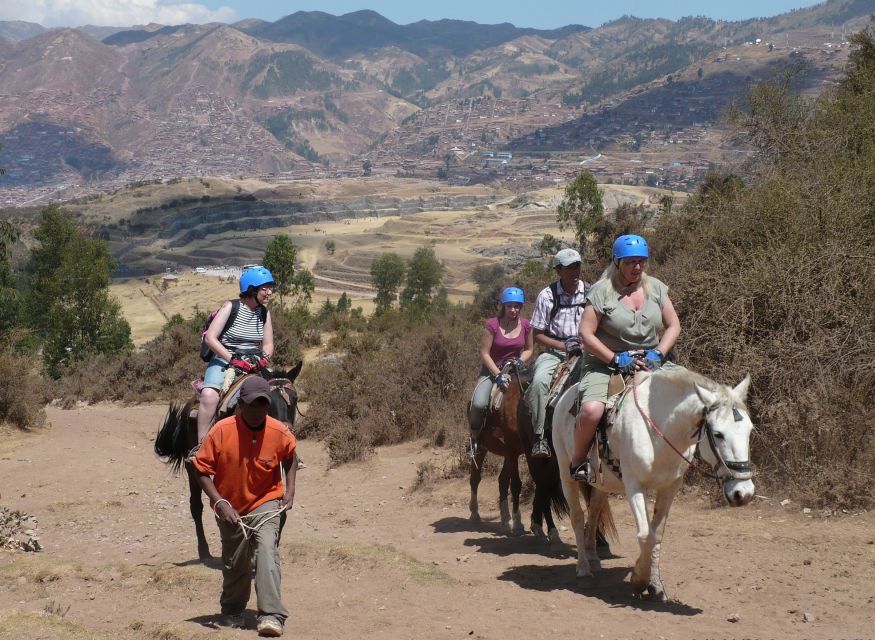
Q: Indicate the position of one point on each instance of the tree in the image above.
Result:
(68, 302)
(330, 247)
(9, 298)
(387, 274)
(582, 207)
(424, 274)
(366, 168)
(549, 245)
(279, 257)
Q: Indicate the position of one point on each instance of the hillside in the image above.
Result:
(315, 95)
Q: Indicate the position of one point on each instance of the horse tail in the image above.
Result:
(171, 442)
(545, 473)
(606, 525)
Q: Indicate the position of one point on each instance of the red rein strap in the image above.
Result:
(651, 423)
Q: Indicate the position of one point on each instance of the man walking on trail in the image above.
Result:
(242, 465)
(558, 309)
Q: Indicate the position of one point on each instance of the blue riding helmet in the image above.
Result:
(512, 294)
(630, 246)
(255, 277)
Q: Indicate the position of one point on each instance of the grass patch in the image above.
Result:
(42, 569)
(29, 624)
(367, 557)
(171, 577)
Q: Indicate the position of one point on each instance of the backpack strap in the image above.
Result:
(554, 289)
(235, 308)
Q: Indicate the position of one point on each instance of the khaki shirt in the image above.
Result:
(621, 328)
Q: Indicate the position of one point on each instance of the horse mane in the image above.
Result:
(685, 378)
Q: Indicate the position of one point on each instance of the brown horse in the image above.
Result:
(508, 432)
(501, 435)
(178, 436)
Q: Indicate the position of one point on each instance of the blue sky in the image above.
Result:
(544, 14)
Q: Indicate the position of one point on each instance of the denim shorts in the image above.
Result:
(214, 378)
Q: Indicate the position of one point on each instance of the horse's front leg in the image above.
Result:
(476, 466)
(664, 499)
(638, 503)
(196, 507)
(516, 486)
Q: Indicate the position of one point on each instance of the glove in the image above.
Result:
(624, 362)
(572, 345)
(503, 381)
(239, 363)
(653, 358)
(263, 361)
(519, 364)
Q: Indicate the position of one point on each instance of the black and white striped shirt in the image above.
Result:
(247, 332)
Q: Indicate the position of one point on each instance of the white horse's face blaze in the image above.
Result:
(731, 427)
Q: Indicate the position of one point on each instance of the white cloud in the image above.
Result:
(114, 13)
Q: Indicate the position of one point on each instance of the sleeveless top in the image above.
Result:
(622, 328)
(247, 332)
(505, 348)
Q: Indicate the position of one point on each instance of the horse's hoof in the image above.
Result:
(474, 517)
(585, 578)
(553, 537)
(518, 530)
(657, 593)
(595, 565)
(204, 554)
(638, 588)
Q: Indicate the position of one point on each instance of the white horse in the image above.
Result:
(688, 409)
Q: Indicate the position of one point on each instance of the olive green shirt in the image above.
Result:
(623, 329)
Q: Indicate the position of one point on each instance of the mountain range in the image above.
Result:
(102, 106)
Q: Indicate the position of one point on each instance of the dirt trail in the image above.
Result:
(364, 556)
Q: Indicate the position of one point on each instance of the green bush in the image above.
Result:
(398, 381)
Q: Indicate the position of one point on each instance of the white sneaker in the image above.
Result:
(269, 627)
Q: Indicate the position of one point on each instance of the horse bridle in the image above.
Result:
(284, 385)
(736, 469)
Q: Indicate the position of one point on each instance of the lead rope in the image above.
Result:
(249, 529)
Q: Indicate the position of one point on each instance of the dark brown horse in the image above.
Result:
(508, 432)
(178, 436)
(502, 436)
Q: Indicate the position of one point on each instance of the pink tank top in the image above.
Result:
(506, 348)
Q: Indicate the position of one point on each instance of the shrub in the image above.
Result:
(398, 381)
(772, 275)
(22, 391)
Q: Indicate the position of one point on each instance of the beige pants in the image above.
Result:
(258, 554)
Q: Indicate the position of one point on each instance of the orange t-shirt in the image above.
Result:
(246, 465)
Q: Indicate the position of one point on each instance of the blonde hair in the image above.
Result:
(612, 275)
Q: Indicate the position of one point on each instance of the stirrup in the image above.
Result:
(581, 472)
(472, 448)
(191, 454)
(541, 449)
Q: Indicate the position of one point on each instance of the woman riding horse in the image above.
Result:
(506, 337)
(250, 334)
(626, 311)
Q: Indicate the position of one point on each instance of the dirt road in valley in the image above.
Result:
(366, 556)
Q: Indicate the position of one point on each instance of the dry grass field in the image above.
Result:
(462, 240)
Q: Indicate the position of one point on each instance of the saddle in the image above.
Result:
(496, 395)
(229, 397)
(601, 452)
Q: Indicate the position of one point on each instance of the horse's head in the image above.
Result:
(727, 426)
(283, 395)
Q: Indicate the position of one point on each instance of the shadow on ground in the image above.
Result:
(609, 585)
